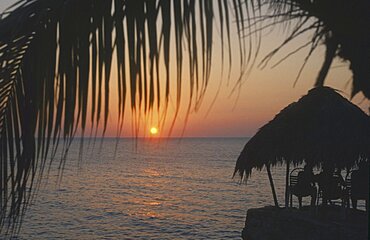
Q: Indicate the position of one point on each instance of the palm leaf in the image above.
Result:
(342, 26)
(53, 51)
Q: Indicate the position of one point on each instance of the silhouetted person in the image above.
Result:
(331, 184)
(360, 185)
(305, 186)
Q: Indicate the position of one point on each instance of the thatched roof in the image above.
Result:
(321, 127)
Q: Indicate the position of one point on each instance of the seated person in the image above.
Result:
(305, 186)
(360, 185)
(331, 184)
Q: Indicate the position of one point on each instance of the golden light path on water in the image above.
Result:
(174, 189)
(169, 189)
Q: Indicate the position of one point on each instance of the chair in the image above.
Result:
(348, 188)
(359, 189)
(335, 189)
(293, 179)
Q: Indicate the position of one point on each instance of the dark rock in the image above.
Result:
(270, 223)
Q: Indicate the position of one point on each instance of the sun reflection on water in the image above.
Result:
(164, 190)
(152, 172)
(154, 204)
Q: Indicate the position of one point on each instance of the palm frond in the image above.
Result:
(341, 25)
(57, 56)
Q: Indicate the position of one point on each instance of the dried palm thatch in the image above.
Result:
(321, 127)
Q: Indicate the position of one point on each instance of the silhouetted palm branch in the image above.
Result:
(341, 25)
(56, 58)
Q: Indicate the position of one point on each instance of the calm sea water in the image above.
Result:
(160, 189)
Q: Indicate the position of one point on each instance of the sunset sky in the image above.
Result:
(240, 113)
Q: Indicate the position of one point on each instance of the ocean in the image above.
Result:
(148, 189)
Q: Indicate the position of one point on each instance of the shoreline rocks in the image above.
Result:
(310, 223)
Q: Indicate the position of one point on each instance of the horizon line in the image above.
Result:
(154, 138)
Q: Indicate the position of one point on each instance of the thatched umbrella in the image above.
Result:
(321, 127)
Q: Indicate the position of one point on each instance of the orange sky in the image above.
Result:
(263, 94)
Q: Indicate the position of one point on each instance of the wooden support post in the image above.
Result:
(287, 185)
(272, 186)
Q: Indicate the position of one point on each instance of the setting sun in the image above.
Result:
(153, 130)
